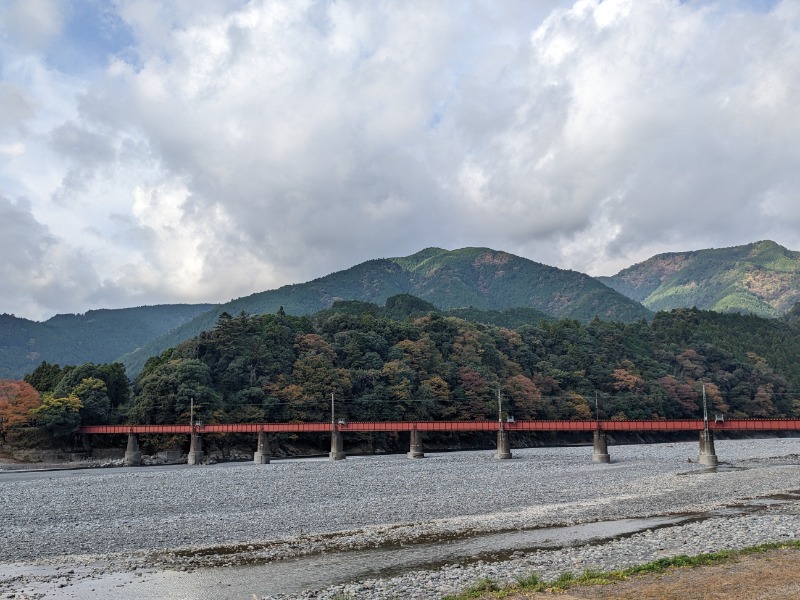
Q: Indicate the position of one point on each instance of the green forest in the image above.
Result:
(99, 336)
(407, 361)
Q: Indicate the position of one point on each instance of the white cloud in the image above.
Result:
(677, 112)
(12, 149)
(15, 106)
(237, 146)
(40, 273)
(32, 24)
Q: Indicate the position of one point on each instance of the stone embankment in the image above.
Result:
(143, 520)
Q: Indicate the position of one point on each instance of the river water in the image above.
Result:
(322, 570)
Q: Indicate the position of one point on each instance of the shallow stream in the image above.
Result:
(321, 570)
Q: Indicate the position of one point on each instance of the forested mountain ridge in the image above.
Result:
(762, 278)
(99, 336)
(383, 363)
(479, 278)
(491, 280)
(467, 278)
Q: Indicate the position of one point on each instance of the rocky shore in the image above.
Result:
(62, 531)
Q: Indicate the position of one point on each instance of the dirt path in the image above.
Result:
(772, 575)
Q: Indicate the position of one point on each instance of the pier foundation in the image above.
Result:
(600, 451)
(196, 454)
(708, 455)
(503, 445)
(261, 456)
(415, 449)
(133, 456)
(337, 447)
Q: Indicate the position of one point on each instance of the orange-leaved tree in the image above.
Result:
(17, 400)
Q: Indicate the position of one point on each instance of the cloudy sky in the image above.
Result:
(154, 151)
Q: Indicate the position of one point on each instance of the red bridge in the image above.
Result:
(707, 455)
(366, 426)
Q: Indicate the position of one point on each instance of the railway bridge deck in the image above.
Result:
(598, 428)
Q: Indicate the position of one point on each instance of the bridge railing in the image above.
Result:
(456, 426)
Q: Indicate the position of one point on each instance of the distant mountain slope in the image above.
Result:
(480, 278)
(491, 280)
(762, 278)
(99, 336)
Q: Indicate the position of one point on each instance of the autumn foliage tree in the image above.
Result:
(17, 401)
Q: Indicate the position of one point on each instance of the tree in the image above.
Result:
(684, 395)
(17, 400)
(715, 399)
(317, 378)
(45, 377)
(761, 406)
(59, 416)
(117, 383)
(525, 399)
(96, 405)
(401, 384)
(578, 407)
(625, 380)
(164, 394)
(112, 375)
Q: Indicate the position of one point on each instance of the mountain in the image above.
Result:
(478, 278)
(762, 278)
(490, 280)
(476, 284)
(99, 336)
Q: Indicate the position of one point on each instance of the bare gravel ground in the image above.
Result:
(101, 522)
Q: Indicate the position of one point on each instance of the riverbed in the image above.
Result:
(384, 526)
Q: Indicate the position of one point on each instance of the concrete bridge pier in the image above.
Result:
(196, 454)
(415, 449)
(708, 455)
(503, 445)
(133, 456)
(261, 456)
(600, 452)
(337, 447)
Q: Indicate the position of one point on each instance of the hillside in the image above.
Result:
(491, 280)
(382, 365)
(99, 336)
(479, 278)
(762, 278)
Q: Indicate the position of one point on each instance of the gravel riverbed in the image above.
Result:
(65, 529)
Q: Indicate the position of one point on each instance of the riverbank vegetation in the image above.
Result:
(487, 589)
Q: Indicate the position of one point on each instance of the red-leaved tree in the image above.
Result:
(17, 400)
